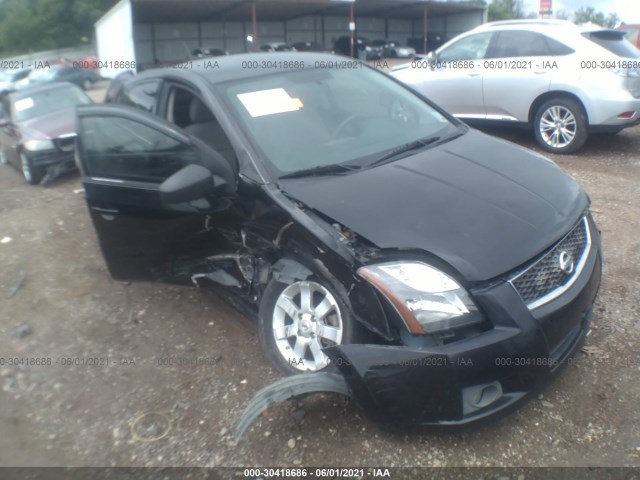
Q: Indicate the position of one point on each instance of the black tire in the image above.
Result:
(32, 174)
(289, 363)
(560, 125)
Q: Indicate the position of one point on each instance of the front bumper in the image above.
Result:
(470, 379)
(50, 158)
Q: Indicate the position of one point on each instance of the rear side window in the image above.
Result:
(519, 43)
(615, 42)
(142, 95)
(125, 150)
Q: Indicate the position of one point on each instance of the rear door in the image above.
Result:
(519, 68)
(125, 155)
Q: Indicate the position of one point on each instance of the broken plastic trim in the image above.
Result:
(290, 387)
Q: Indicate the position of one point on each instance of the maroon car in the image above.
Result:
(37, 129)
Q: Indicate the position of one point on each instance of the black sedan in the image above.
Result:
(37, 129)
(443, 273)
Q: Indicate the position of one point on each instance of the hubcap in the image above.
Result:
(26, 170)
(306, 319)
(558, 126)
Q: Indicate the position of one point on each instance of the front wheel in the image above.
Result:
(32, 174)
(560, 125)
(298, 320)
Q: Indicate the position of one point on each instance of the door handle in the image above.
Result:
(539, 72)
(473, 74)
(108, 214)
(105, 210)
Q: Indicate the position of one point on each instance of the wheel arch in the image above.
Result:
(535, 105)
(302, 255)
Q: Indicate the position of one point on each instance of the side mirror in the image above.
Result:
(190, 183)
(432, 57)
(4, 122)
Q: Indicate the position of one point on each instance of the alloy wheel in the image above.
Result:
(558, 126)
(306, 319)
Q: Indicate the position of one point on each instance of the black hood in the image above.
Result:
(484, 206)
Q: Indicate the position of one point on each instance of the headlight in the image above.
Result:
(428, 300)
(35, 145)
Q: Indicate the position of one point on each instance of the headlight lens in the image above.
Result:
(428, 300)
(35, 145)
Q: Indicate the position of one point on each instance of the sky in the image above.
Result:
(627, 10)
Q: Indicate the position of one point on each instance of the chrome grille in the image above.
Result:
(545, 279)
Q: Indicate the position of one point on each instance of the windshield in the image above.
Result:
(615, 42)
(48, 101)
(306, 119)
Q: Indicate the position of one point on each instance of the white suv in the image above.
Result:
(562, 80)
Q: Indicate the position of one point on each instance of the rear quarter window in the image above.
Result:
(556, 48)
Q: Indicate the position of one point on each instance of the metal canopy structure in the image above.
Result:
(158, 11)
(152, 32)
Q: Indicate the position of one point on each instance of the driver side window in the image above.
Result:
(188, 111)
(118, 148)
(473, 47)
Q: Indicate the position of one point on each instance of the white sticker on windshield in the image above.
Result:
(24, 104)
(269, 102)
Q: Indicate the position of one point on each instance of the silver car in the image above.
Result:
(561, 80)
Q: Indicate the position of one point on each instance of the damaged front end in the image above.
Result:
(466, 379)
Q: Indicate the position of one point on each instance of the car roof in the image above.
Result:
(554, 26)
(27, 91)
(234, 67)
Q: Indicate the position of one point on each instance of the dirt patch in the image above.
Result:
(148, 374)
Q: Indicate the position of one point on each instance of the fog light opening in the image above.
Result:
(489, 394)
(480, 396)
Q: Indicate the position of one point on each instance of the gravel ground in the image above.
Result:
(138, 411)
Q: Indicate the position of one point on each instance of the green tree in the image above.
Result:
(505, 10)
(33, 25)
(589, 14)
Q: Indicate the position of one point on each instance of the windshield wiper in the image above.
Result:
(406, 148)
(335, 169)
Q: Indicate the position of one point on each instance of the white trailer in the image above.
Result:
(114, 40)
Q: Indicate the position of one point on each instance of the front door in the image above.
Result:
(455, 82)
(125, 156)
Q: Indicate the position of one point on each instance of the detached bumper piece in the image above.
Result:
(287, 388)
